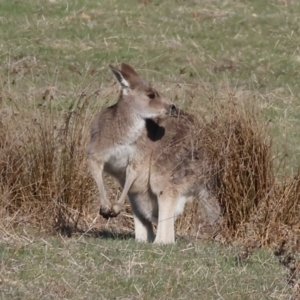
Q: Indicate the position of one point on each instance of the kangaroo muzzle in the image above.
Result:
(172, 110)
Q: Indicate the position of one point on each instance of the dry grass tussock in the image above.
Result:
(240, 152)
(45, 181)
(256, 208)
(43, 173)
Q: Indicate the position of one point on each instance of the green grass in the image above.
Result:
(166, 36)
(87, 268)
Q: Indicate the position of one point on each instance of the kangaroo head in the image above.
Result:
(142, 98)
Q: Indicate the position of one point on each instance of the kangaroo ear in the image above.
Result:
(128, 71)
(127, 76)
(123, 82)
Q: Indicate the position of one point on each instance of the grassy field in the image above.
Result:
(54, 76)
(39, 267)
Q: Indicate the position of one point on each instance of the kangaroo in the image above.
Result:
(116, 130)
(157, 155)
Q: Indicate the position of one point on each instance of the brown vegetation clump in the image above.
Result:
(255, 206)
(239, 151)
(241, 157)
(281, 216)
(286, 209)
(43, 174)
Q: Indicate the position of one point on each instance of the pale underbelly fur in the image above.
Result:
(118, 159)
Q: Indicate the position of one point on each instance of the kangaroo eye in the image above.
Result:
(151, 95)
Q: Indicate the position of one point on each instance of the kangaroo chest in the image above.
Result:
(118, 158)
(121, 154)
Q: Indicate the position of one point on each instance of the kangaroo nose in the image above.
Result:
(173, 109)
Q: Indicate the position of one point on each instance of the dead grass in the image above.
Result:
(241, 156)
(43, 170)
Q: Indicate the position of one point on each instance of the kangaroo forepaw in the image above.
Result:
(116, 209)
(105, 212)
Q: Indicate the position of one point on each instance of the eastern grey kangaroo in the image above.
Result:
(156, 153)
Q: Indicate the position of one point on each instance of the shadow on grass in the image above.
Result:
(108, 234)
(68, 231)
